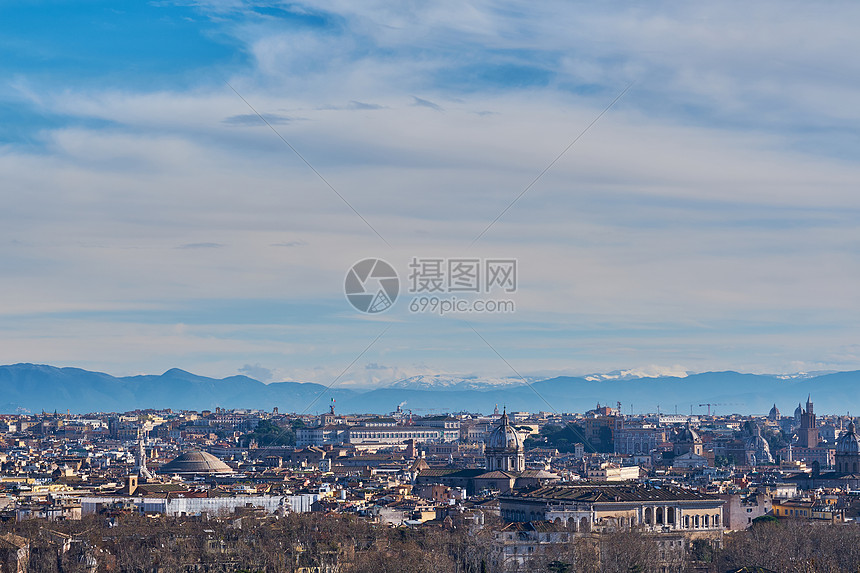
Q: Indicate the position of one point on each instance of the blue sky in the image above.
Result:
(707, 221)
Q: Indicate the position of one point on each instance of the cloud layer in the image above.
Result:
(707, 221)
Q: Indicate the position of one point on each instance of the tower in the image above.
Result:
(808, 433)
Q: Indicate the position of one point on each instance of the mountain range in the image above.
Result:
(34, 388)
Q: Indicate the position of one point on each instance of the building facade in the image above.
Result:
(596, 507)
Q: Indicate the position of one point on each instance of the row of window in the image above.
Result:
(400, 435)
(793, 512)
(689, 521)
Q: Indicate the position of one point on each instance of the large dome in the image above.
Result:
(848, 443)
(504, 437)
(195, 463)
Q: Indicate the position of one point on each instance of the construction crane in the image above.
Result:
(709, 404)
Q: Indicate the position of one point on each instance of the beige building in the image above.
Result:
(595, 506)
(613, 472)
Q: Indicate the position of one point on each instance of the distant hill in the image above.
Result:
(37, 387)
(33, 388)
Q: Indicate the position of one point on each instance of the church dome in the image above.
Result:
(759, 446)
(195, 463)
(848, 443)
(504, 437)
(774, 413)
(687, 434)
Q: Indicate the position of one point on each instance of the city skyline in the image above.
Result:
(704, 221)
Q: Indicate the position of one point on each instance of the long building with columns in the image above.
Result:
(591, 507)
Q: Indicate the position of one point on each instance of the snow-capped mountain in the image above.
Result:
(804, 375)
(635, 373)
(449, 382)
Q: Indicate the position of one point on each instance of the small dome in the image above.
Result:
(504, 437)
(774, 413)
(848, 443)
(760, 447)
(196, 463)
(687, 434)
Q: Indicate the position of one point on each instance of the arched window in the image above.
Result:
(670, 516)
(697, 521)
(648, 518)
(717, 520)
(707, 520)
(571, 523)
(584, 525)
(686, 522)
(659, 516)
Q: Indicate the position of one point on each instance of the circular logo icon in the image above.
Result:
(371, 286)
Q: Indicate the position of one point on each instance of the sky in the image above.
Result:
(187, 183)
